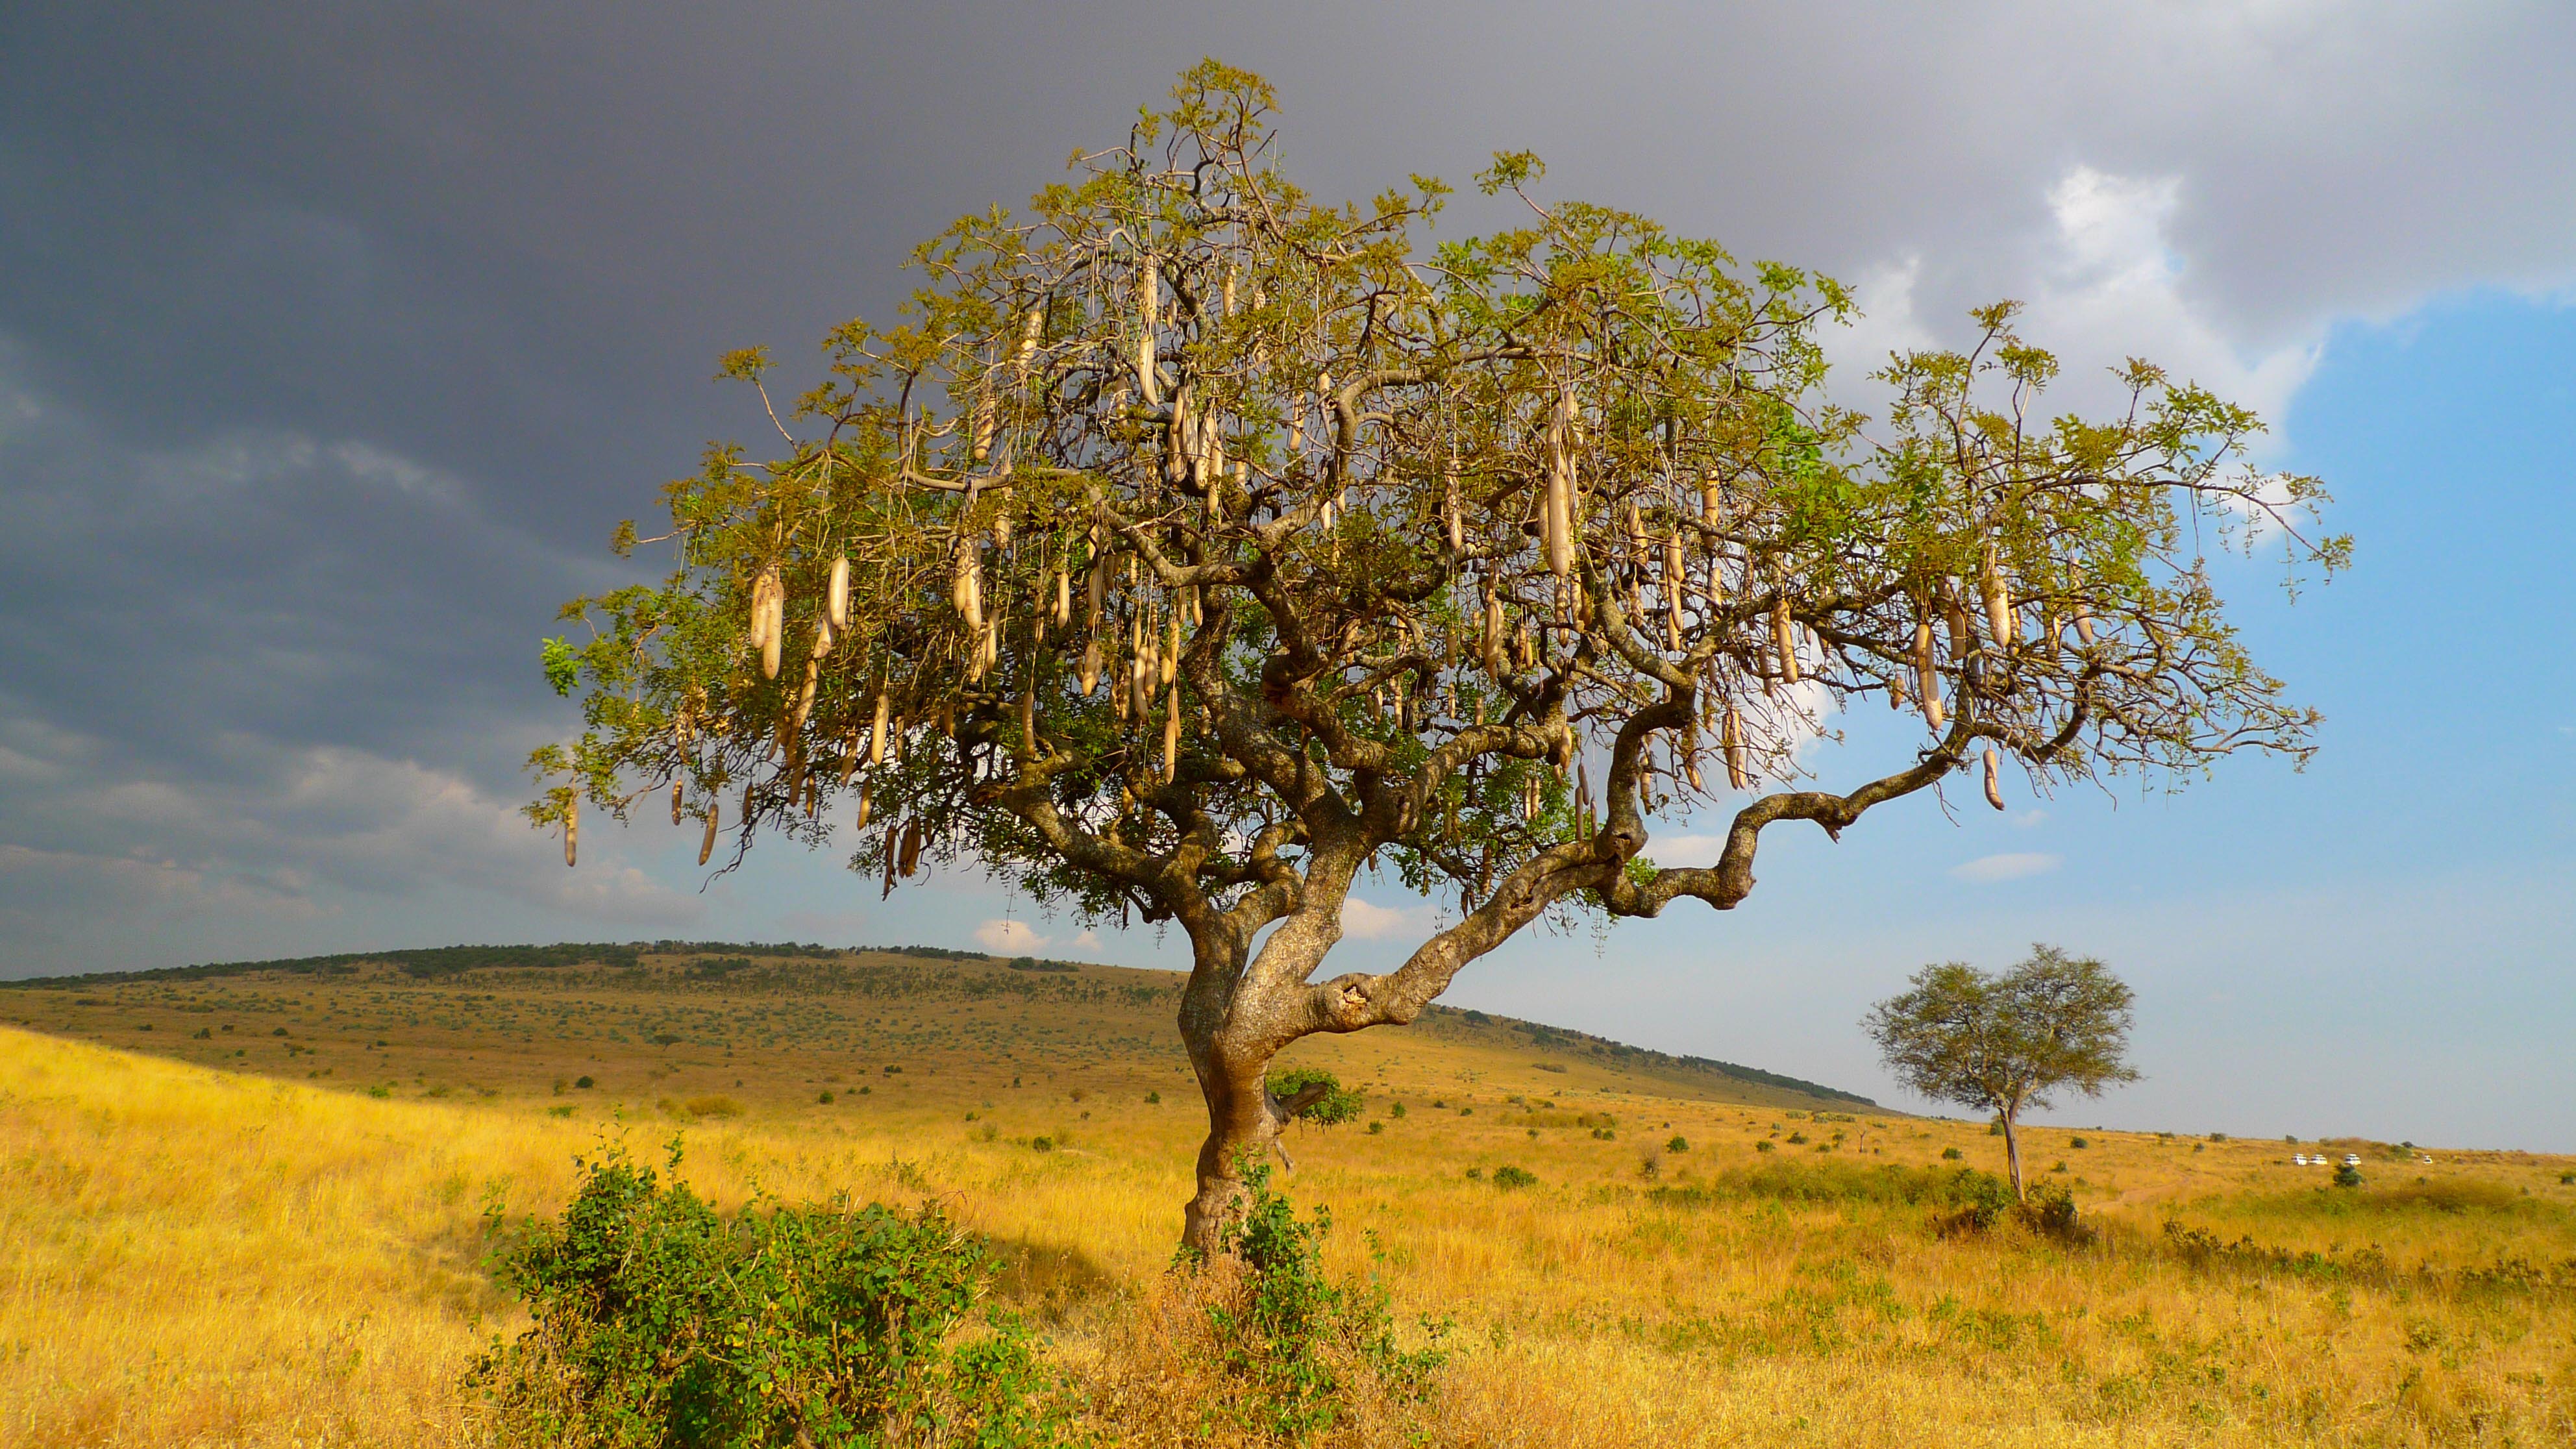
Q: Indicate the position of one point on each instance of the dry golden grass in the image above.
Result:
(227, 1239)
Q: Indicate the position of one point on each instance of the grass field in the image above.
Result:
(251, 1209)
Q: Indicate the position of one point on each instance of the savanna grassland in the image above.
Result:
(255, 1207)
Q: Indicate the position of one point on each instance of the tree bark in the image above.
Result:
(1235, 1017)
(2012, 1153)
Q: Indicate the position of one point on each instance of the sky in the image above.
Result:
(334, 340)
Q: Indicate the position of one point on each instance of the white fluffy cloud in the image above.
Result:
(1685, 850)
(2102, 281)
(1362, 921)
(2112, 279)
(2012, 865)
(1017, 937)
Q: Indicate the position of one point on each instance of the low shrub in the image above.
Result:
(1969, 1200)
(1300, 1347)
(1337, 1104)
(659, 1321)
(1508, 1177)
(2050, 1212)
(2452, 1195)
(2408, 1199)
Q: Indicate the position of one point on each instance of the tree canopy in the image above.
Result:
(1191, 546)
(2008, 1043)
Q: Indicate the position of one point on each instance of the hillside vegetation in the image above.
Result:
(252, 1205)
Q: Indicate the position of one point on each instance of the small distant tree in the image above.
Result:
(2004, 1044)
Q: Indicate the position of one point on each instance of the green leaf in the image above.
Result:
(563, 665)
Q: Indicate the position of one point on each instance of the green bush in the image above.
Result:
(660, 1322)
(2347, 1175)
(1337, 1105)
(1508, 1177)
(1295, 1338)
(1951, 1154)
(1678, 1144)
(2050, 1212)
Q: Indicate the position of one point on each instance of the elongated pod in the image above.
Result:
(1149, 303)
(707, 842)
(675, 802)
(1783, 638)
(572, 828)
(2000, 619)
(966, 585)
(764, 588)
(1032, 327)
(838, 608)
(1994, 778)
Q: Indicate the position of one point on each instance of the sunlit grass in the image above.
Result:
(194, 1254)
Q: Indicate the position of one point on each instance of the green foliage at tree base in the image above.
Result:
(661, 1322)
(1296, 1339)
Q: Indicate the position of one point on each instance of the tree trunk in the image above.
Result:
(1242, 1126)
(1234, 1018)
(2012, 1154)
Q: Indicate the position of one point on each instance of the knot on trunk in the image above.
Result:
(1345, 1003)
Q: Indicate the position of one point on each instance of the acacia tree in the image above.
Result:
(2004, 1044)
(1193, 547)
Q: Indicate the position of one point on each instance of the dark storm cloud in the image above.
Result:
(337, 336)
